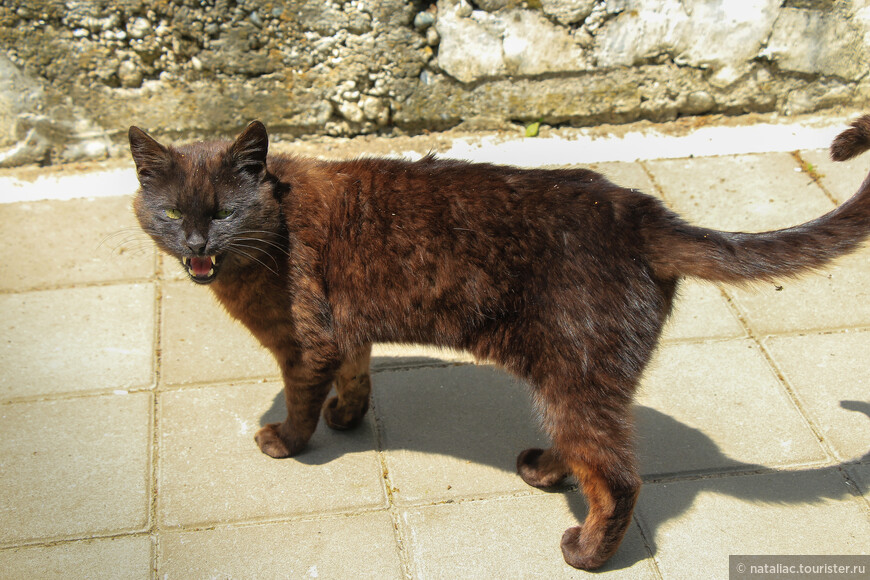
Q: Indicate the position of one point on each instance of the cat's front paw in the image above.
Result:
(271, 442)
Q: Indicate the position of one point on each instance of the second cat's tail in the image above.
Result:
(676, 248)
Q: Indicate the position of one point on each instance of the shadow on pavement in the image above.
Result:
(483, 416)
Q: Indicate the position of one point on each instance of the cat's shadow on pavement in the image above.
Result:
(481, 415)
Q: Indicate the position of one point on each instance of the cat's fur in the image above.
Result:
(559, 276)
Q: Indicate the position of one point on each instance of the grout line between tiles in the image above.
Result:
(74, 285)
(855, 489)
(89, 536)
(405, 559)
(647, 545)
(155, 425)
(658, 188)
(808, 169)
(391, 508)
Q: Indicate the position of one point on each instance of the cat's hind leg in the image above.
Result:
(592, 437)
(353, 386)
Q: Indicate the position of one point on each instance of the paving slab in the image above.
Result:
(835, 297)
(77, 339)
(202, 343)
(701, 311)
(718, 406)
(124, 558)
(453, 432)
(514, 537)
(841, 178)
(740, 192)
(830, 375)
(211, 470)
(695, 525)
(73, 468)
(56, 243)
(361, 546)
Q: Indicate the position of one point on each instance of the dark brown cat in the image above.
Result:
(559, 276)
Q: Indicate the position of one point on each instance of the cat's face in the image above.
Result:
(208, 204)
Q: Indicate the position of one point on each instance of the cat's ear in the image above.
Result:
(151, 157)
(250, 149)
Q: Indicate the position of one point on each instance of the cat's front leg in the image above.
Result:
(353, 386)
(305, 390)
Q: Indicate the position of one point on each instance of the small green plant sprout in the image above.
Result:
(533, 128)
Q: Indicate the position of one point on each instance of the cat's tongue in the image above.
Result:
(200, 266)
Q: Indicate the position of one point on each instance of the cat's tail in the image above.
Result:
(676, 248)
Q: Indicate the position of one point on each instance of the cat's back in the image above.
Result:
(435, 182)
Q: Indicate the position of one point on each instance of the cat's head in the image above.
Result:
(212, 205)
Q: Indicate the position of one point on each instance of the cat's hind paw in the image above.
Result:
(342, 418)
(580, 553)
(541, 468)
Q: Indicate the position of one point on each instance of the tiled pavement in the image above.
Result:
(130, 400)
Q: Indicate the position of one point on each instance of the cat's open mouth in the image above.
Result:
(201, 269)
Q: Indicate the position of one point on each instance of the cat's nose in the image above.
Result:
(196, 243)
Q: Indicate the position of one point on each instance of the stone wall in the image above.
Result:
(75, 73)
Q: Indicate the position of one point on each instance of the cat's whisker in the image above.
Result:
(131, 242)
(267, 242)
(258, 249)
(134, 233)
(273, 234)
(233, 249)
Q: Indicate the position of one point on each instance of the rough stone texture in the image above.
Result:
(74, 75)
(813, 42)
(720, 35)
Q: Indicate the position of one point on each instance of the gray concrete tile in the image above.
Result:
(830, 375)
(740, 192)
(695, 525)
(701, 311)
(453, 432)
(508, 538)
(124, 558)
(361, 546)
(841, 179)
(211, 470)
(76, 339)
(202, 343)
(718, 406)
(836, 297)
(53, 243)
(74, 467)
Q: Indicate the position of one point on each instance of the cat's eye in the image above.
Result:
(172, 214)
(223, 214)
